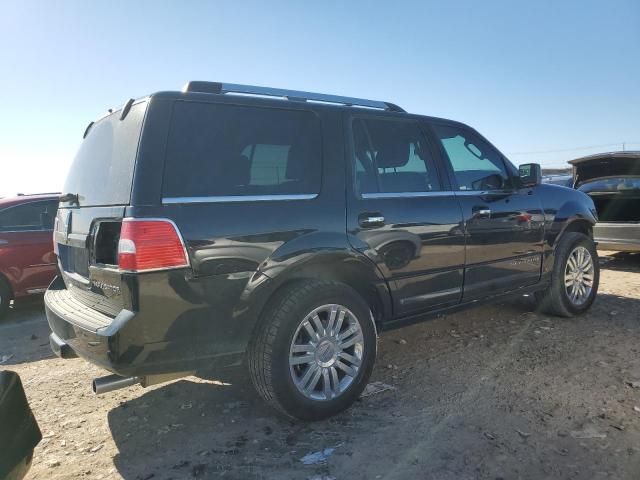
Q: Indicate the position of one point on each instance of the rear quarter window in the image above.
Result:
(218, 150)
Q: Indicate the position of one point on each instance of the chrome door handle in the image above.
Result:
(3, 242)
(371, 220)
(481, 211)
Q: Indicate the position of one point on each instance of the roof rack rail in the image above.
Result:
(35, 194)
(295, 95)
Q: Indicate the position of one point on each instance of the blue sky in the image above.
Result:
(532, 76)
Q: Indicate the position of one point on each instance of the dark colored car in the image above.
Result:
(203, 229)
(27, 260)
(612, 180)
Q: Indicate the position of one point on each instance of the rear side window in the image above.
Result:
(102, 171)
(476, 164)
(228, 150)
(29, 217)
(391, 156)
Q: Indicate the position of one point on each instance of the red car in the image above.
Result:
(27, 262)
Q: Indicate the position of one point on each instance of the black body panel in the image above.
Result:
(419, 249)
(503, 248)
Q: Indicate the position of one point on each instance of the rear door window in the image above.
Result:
(391, 156)
(217, 150)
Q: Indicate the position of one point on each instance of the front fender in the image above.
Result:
(569, 213)
(572, 215)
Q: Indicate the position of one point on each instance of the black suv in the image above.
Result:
(229, 224)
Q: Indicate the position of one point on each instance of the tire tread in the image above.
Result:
(551, 301)
(261, 348)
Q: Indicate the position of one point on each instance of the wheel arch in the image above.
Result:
(351, 268)
(578, 225)
(571, 217)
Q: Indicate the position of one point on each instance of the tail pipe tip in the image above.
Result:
(112, 382)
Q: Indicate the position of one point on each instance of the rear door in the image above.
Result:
(504, 224)
(402, 213)
(26, 249)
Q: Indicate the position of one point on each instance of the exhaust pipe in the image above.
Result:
(112, 382)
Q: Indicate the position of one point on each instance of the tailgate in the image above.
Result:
(87, 229)
(86, 241)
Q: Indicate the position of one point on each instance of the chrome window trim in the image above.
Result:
(237, 198)
(474, 193)
(439, 193)
(430, 296)
(49, 230)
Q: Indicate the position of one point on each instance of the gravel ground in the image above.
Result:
(494, 392)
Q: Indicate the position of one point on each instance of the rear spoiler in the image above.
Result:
(125, 111)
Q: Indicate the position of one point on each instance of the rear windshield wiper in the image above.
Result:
(69, 197)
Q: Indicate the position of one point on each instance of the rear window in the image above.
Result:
(228, 150)
(102, 171)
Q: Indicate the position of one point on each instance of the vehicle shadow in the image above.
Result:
(210, 429)
(24, 334)
(205, 429)
(622, 262)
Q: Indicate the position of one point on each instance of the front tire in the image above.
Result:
(314, 350)
(575, 277)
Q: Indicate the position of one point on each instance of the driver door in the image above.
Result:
(503, 224)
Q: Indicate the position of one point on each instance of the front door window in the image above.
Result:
(476, 165)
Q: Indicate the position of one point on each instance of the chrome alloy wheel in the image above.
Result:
(579, 275)
(326, 352)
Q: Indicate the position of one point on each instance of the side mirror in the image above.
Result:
(530, 174)
(19, 432)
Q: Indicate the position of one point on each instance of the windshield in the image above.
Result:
(102, 171)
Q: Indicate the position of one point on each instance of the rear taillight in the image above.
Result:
(150, 245)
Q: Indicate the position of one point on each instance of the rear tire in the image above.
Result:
(5, 297)
(314, 350)
(575, 277)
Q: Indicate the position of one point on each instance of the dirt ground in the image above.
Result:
(497, 392)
